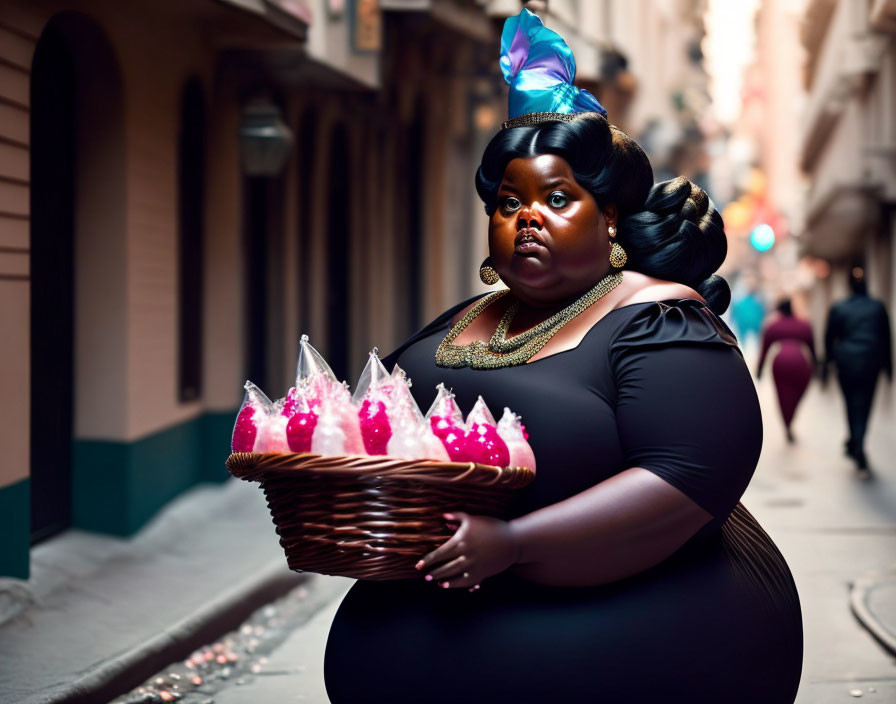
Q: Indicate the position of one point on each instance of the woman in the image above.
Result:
(793, 363)
(629, 571)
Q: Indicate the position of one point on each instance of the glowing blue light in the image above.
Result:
(762, 238)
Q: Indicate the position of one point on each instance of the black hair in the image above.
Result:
(858, 285)
(785, 307)
(669, 230)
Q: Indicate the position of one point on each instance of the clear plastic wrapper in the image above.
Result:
(373, 394)
(250, 430)
(346, 414)
(276, 440)
(374, 377)
(513, 432)
(483, 443)
(446, 422)
(320, 415)
(313, 372)
(329, 437)
(411, 435)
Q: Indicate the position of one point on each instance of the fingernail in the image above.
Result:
(420, 565)
(444, 585)
(428, 578)
(449, 516)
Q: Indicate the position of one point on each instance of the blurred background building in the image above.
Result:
(848, 146)
(186, 187)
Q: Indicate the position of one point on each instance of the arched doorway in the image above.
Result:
(52, 282)
(77, 257)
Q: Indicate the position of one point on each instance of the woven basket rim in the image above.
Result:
(253, 466)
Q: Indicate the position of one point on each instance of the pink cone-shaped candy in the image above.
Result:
(315, 380)
(483, 443)
(433, 448)
(406, 438)
(300, 430)
(446, 421)
(375, 427)
(301, 422)
(401, 396)
(411, 434)
(276, 437)
(373, 394)
(250, 428)
(328, 438)
(349, 422)
(511, 429)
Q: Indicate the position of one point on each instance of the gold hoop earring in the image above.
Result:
(487, 273)
(618, 257)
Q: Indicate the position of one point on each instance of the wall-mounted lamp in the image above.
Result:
(265, 141)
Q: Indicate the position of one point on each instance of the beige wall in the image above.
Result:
(126, 231)
(157, 58)
(224, 292)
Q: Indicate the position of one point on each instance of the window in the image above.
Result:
(191, 206)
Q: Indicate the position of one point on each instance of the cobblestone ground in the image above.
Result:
(235, 661)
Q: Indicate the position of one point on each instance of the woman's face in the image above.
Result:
(547, 237)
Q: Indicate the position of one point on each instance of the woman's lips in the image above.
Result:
(528, 248)
(528, 242)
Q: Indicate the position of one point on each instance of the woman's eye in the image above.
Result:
(558, 200)
(511, 203)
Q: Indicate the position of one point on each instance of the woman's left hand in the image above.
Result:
(480, 548)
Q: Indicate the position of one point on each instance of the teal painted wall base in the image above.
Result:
(15, 527)
(217, 429)
(118, 486)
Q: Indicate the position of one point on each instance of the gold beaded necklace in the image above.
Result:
(501, 351)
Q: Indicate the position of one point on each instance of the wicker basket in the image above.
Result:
(370, 517)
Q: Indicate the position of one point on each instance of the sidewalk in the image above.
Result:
(838, 534)
(100, 614)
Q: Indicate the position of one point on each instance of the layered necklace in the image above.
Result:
(502, 351)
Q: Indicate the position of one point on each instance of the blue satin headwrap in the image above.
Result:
(539, 66)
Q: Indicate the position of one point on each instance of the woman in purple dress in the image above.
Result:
(794, 361)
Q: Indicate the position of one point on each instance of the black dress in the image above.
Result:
(655, 385)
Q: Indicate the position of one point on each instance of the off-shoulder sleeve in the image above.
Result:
(686, 405)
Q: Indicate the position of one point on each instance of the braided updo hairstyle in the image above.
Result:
(669, 230)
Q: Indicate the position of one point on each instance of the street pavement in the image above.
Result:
(101, 613)
(837, 532)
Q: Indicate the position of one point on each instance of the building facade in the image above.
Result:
(146, 271)
(848, 145)
(149, 265)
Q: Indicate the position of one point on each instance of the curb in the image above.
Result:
(860, 596)
(123, 672)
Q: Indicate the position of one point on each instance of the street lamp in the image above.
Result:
(265, 141)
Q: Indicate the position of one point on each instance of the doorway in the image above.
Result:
(52, 283)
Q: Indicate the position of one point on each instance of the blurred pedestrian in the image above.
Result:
(748, 313)
(794, 361)
(857, 341)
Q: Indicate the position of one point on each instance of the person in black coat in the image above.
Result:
(857, 340)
